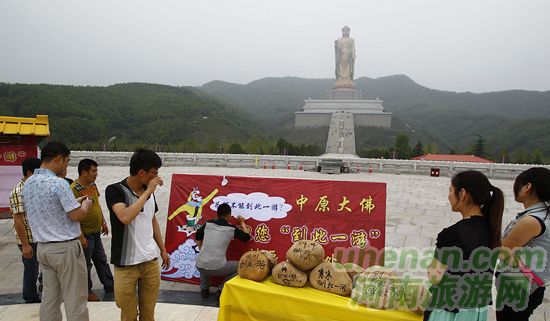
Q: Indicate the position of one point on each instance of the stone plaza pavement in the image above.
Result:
(417, 209)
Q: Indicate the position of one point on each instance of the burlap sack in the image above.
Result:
(287, 274)
(377, 287)
(254, 265)
(324, 277)
(305, 255)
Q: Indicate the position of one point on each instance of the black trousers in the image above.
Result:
(508, 314)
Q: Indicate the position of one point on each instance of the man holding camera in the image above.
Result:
(92, 226)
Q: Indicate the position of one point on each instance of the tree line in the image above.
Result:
(402, 149)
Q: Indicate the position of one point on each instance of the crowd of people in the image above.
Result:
(58, 227)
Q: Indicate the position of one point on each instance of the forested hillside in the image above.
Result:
(513, 124)
(259, 118)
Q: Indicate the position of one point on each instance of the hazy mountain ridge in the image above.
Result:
(451, 120)
(220, 113)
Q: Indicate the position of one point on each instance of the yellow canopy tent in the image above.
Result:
(19, 137)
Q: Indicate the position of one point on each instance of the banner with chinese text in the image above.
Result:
(278, 211)
(14, 149)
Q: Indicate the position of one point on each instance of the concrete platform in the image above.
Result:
(108, 311)
(417, 209)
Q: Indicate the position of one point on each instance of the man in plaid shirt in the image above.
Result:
(23, 234)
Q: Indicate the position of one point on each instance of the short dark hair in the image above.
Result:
(54, 149)
(30, 164)
(85, 165)
(539, 177)
(223, 210)
(144, 159)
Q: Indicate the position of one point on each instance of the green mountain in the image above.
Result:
(137, 114)
(401, 94)
(259, 117)
(508, 121)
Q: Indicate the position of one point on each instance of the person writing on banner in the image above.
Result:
(213, 238)
(23, 234)
(481, 206)
(92, 226)
(135, 237)
(54, 215)
(530, 228)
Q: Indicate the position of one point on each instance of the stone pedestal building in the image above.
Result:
(342, 110)
(343, 107)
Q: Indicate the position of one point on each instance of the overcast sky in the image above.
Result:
(458, 45)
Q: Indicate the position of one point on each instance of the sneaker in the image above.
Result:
(92, 297)
(205, 293)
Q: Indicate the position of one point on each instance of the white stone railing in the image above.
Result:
(396, 166)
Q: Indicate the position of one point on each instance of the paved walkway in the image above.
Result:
(108, 311)
(417, 209)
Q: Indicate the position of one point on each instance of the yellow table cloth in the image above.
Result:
(243, 299)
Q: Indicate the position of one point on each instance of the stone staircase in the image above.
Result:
(341, 135)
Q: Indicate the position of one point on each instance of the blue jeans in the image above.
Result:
(96, 253)
(30, 276)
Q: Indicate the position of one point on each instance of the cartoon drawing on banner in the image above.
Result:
(278, 213)
(258, 206)
(183, 260)
(193, 208)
